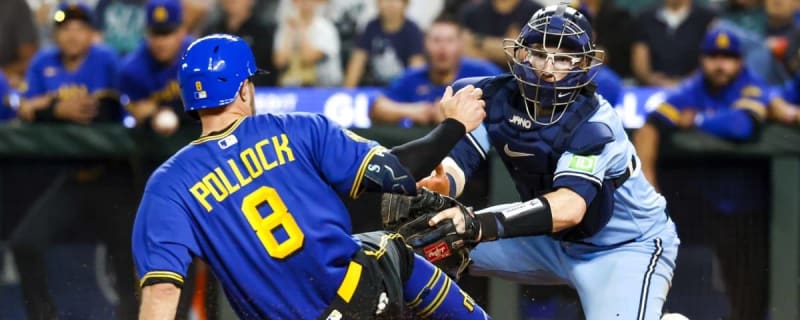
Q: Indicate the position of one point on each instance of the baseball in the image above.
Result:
(165, 119)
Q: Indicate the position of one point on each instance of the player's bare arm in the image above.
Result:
(159, 301)
(646, 141)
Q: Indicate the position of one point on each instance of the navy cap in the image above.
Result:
(722, 42)
(73, 11)
(164, 16)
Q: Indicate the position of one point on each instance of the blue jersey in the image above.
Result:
(6, 112)
(142, 77)
(790, 91)
(260, 203)
(96, 75)
(609, 85)
(415, 85)
(728, 112)
(595, 156)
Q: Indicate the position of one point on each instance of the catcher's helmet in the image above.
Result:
(556, 40)
(213, 70)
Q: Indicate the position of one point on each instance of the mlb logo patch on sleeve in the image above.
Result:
(583, 163)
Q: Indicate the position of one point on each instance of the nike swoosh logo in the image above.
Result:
(515, 154)
(561, 95)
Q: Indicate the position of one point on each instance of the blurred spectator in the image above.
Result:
(18, 39)
(490, 21)
(747, 14)
(667, 42)
(390, 44)
(149, 74)
(611, 25)
(7, 99)
(780, 24)
(75, 83)
(352, 16)
(785, 104)
(195, 15)
(77, 80)
(307, 48)
(239, 19)
(122, 23)
(609, 85)
(725, 100)
(411, 97)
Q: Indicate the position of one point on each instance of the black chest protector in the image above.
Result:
(531, 152)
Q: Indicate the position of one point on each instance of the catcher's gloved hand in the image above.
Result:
(440, 243)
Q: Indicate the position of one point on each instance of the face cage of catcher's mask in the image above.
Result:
(592, 58)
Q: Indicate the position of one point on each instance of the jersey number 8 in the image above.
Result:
(280, 217)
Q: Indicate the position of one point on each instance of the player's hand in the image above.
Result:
(466, 106)
(165, 122)
(437, 182)
(78, 109)
(463, 220)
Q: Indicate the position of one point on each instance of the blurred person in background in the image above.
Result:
(8, 103)
(239, 18)
(747, 14)
(726, 100)
(122, 23)
(667, 42)
(390, 44)
(76, 83)
(785, 103)
(149, 74)
(307, 51)
(410, 99)
(611, 25)
(18, 39)
(488, 22)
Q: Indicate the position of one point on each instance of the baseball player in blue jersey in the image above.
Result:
(8, 103)
(257, 197)
(725, 99)
(148, 74)
(76, 81)
(588, 218)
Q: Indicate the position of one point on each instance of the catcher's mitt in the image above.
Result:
(441, 244)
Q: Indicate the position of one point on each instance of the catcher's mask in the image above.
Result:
(552, 59)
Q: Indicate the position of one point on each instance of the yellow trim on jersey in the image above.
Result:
(437, 302)
(219, 135)
(434, 279)
(361, 169)
(161, 274)
(670, 112)
(350, 282)
(755, 106)
(382, 246)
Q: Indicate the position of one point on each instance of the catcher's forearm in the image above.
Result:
(422, 155)
(529, 218)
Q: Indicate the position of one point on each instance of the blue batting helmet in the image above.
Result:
(213, 70)
(556, 41)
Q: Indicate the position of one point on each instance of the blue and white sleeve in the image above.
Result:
(469, 154)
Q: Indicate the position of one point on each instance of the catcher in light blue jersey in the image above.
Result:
(589, 218)
(257, 198)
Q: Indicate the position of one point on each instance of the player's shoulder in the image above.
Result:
(45, 57)
(471, 67)
(102, 54)
(603, 127)
(170, 174)
(753, 86)
(296, 122)
(136, 61)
